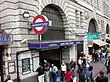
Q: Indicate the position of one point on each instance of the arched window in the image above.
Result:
(107, 29)
(92, 25)
(56, 31)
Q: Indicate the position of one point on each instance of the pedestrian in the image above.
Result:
(107, 64)
(80, 62)
(46, 71)
(68, 76)
(8, 79)
(40, 71)
(53, 73)
(63, 71)
(81, 75)
(89, 74)
(101, 77)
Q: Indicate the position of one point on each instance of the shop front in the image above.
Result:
(53, 52)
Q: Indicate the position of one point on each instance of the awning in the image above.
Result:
(100, 42)
(50, 44)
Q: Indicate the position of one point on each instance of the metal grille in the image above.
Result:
(56, 31)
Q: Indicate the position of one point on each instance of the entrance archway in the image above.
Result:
(107, 29)
(55, 32)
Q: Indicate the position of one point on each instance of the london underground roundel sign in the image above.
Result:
(40, 24)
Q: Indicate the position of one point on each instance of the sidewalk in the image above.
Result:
(97, 67)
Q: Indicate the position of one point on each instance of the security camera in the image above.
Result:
(23, 41)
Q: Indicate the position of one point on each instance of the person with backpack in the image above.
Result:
(53, 73)
(101, 77)
(68, 76)
(89, 74)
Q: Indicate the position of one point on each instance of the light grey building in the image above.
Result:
(66, 36)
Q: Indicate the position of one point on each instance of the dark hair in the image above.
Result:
(8, 77)
(68, 69)
(81, 69)
(101, 73)
(90, 68)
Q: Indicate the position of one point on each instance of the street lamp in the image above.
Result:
(26, 14)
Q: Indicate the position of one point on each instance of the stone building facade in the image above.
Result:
(71, 20)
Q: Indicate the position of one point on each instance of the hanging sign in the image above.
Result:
(4, 37)
(40, 24)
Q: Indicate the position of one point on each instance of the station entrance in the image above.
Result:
(52, 56)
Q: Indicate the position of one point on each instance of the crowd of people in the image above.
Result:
(81, 68)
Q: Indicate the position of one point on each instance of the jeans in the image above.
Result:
(41, 78)
(46, 76)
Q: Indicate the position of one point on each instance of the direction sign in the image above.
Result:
(40, 24)
(93, 35)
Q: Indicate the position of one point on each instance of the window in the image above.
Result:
(76, 15)
(56, 31)
(81, 19)
(102, 24)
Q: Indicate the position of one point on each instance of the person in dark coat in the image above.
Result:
(81, 75)
(107, 64)
(101, 77)
(40, 71)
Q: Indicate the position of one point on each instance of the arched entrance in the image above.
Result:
(56, 32)
(107, 29)
(92, 29)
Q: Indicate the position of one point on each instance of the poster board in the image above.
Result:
(11, 67)
(35, 61)
(26, 66)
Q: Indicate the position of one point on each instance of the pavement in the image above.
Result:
(97, 67)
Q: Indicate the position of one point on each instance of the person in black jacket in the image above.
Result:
(40, 71)
(101, 77)
(107, 64)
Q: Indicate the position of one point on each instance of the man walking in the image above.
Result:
(101, 77)
(46, 71)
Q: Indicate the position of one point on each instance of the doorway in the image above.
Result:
(52, 56)
(1, 64)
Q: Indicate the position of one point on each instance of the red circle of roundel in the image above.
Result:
(44, 27)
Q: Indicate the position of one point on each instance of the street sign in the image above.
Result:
(93, 35)
(40, 24)
(90, 38)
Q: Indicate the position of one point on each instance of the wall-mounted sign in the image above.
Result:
(26, 66)
(54, 44)
(11, 67)
(40, 24)
(4, 37)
